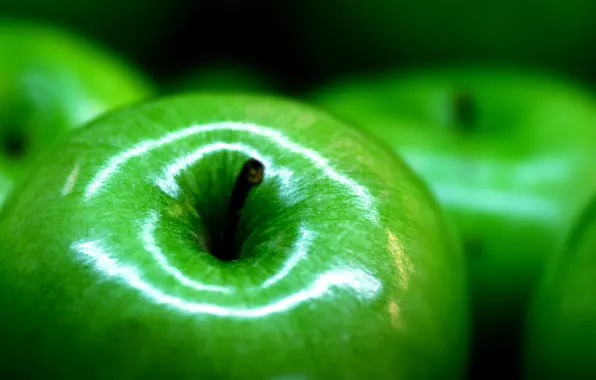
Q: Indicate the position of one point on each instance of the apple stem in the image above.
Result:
(251, 175)
(465, 111)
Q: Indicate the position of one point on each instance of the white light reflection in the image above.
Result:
(147, 235)
(167, 182)
(363, 283)
(299, 253)
(401, 261)
(71, 180)
(497, 202)
(494, 186)
(364, 198)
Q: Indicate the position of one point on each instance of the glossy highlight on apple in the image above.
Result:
(340, 240)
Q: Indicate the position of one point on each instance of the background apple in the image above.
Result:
(51, 82)
(346, 268)
(561, 338)
(355, 35)
(509, 154)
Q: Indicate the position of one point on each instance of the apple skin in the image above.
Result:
(50, 83)
(347, 267)
(561, 335)
(513, 182)
(351, 35)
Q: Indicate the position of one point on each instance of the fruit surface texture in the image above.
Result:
(345, 265)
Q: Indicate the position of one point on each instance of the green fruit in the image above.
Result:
(223, 77)
(51, 82)
(509, 154)
(561, 338)
(346, 268)
(356, 34)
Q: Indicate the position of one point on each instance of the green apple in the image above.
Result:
(561, 335)
(344, 266)
(51, 82)
(223, 77)
(356, 34)
(509, 154)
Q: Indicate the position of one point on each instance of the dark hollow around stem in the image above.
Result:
(250, 175)
(465, 113)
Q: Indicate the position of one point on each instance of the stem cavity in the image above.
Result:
(464, 110)
(250, 175)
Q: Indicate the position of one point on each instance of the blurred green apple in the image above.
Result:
(51, 82)
(509, 154)
(341, 265)
(561, 335)
(342, 34)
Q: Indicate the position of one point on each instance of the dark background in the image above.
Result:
(167, 38)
